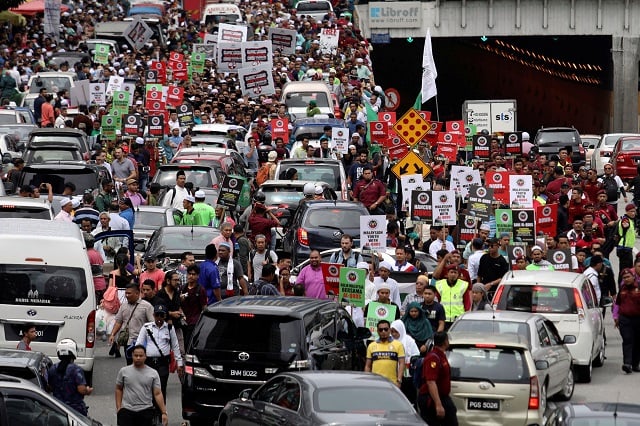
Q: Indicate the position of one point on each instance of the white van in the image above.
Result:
(45, 280)
(296, 95)
(220, 13)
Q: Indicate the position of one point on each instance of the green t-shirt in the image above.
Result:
(207, 214)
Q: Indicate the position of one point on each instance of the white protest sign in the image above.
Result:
(444, 207)
(283, 39)
(373, 232)
(114, 85)
(521, 191)
(97, 95)
(411, 183)
(329, 40)
(210, 39)
(232, 33)
(256, 53)
(138, 33)
(340, 139)
(131, 88)
(229, 57)
(462, 177)
(256, 81)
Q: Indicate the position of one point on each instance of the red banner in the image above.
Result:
(175, 96)
(153, 100)
(499, 182)
(280, 129)
(379, 131)
(545, 219)
(432, 134)
(331, 274)
(161, 70)
(448, 150)
(455, 138)
(455, 127)
(397, 147)
(388, 116)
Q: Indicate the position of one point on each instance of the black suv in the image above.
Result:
(86, 177)
(549, 140)
(242, 342)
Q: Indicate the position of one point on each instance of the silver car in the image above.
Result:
(602, 153)
(542, 336)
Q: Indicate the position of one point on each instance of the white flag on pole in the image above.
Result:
(429, 72)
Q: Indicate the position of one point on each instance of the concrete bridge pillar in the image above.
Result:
(625, 54)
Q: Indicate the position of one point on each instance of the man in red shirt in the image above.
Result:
(370, 191)
(434, 401)
(152, 272)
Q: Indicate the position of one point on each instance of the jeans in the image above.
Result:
(630, 333)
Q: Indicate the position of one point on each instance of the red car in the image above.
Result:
(626, 157)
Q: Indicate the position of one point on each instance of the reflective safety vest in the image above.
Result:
(452, 298)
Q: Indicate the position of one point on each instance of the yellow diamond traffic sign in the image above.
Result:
(411, 127)
(411, 164)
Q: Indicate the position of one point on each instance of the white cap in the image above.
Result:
(362, 265)
(75, 203)
(534, 248)
(200, 194)
(386, 265)
(140, 141)
(360, 60)
(318, 190)
(383, 285)
(121, 73)
(65, 201)
(190, 198)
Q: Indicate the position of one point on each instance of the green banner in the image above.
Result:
(197, 62)
(101, 54)
(352, 283)
(504, 221)
(469, 131)
(120, 102)
(109, 126)
(376, 312)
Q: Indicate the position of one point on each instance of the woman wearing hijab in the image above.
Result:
(417, 325)
(480, 302)
(399, 333)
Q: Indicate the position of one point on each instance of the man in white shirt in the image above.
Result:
(592, 272)
(440, 243)
(175, 195)
(474, 259)
(384, 271)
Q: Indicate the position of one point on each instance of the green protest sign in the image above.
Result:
(120, 102)
(115, 113)
(469, 131)
(352, 283)
(504, 221)
(109, 127)
(101, 54)
(197, 62)
(376, 312)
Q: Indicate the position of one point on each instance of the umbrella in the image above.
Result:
(33, 7)
(13, 18)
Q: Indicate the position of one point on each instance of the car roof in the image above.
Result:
(503, 340)
(56, 130)
(270, 305)
(603, 409)
(309, 161)
(511, 316)
(54, 74)
(62, 166)
(18, 358)
(24, 202)
(333, 122)
(318, 204)
(558, 279)
(159, 209)
(40, 227)
(215, 127)
(184, 166)
(205, 150)
(278, 183)
(327, 378)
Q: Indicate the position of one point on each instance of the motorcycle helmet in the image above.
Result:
(67, 347)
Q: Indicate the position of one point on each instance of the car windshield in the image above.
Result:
(42, 155)
(84, 179)
(220, 19)
(610, 140)
(490, 327)
(251, 332)
(21, 132)
(276, 196)
(184, 240)
(535, 298)
(503, 365)
(309, 132)
(24, 212)
(341, 218)
(313, 6)
(12, 118)
(317, 173)
(547, 138)
(52, 84)
(302, 99)
(630, 145)
(199, 178)
(359, 399)
(42, 285)
(39, 139)
(150, 220)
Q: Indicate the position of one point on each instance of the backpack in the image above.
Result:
(110, 300)
(255, 288)
(263, 174)
(416, 371)
(610, 186)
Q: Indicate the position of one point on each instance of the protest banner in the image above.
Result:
(283, 39)
(96, 94)
(389, 117)
(120, 102)
(137, 34)
(185, 115)
(108, 128)
(467, 230)
(331, 275)
(376, 312)
(161, 69)
(197, 61)
(397, 147)
(521, 191)
(411, 183)
(452, 138)
(232, 33)
(256, 81)
(156, 125)
(175, 96)
(499, 182)
(210, 51)
(230, 191)
(514, 252)
(434, 130)
(480, 199)
(131, 124)
(114, 84)
(340, 139)
(379, 131)
(524, 226)
(373, 231)
(352, 285)
(101, 54)
(513, 143)
(504, 221)
(280, 129)
(481, 147)
(546, 219)
(462, 177)
(229, 57)
(448, 151)
(256, 53)
(329, 40)
(444, 207)
(421, 207)
(560, 259)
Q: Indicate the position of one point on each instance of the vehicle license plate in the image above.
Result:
(238, 374)
(483, 404)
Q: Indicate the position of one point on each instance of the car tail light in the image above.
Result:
(91, 330)
(582, 151)
(215, 186)
(485, 345)
(579, 306)
(534, 393)
(303, 238)
(246, 315)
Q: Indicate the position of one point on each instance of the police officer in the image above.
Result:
(626, 316)
(435, 405)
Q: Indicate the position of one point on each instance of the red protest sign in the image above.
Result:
(388, 116)
(434, 129)
(331, 275)
(379, 131)
(426, 115)
(175, 96)
(481, 147)
(175, 58)
(454, 138)
(499, 182)
(455, 126)
(397, 147)
(280, 129)
(161, 71)
(448, 151)
(545, 219)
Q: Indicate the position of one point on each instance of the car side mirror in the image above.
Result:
(363, 333)
(542, 365)
(6, 158)
(245, 394)
(606, 302)
(569, 339)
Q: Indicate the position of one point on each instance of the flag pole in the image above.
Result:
(437, 109)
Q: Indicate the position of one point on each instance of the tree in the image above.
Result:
(8, 4)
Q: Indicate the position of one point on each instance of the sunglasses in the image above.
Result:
(383, 329)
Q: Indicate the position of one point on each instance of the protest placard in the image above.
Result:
(352, 285)
(444, 207)
(373, 231)
(331, 276)
(376, 312)
(480, 199)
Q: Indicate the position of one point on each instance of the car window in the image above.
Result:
(587, 295)
(536, 298)
(199, 178)
(52, 84)
(552, 137)
(9, 118)
(323, 332)
(504, 365)
(345, 326)
(302, 99)
(269, 391)
(336, 218)
(630, 145)
(288, 395)
(543, 336)
(24, 212)
(275, 196)
(84, 179)
(359, 399)
(318, 172)
(24, 410)
(487, 327)
(552, 332)
(150, 219)
(42, 155)
(314, 6)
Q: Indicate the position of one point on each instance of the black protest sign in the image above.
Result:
(230, 191)
(560, 259)
(185, 115)
(513, 143)
(481, 147)
(466, 230)
(480, 199)
(156, 125)
(131, 124)
(421, 208)
(524, 226)
(514, 252)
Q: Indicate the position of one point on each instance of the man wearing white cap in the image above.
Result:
(384, 271)
(383, 290)
(537, 262)
(65, 213)
(206, 213)
(190, 216)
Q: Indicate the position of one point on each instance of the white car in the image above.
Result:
(604, 149)
(567, 299)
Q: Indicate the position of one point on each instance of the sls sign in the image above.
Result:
(395, 15)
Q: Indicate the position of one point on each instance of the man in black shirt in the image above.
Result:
(492, 266)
